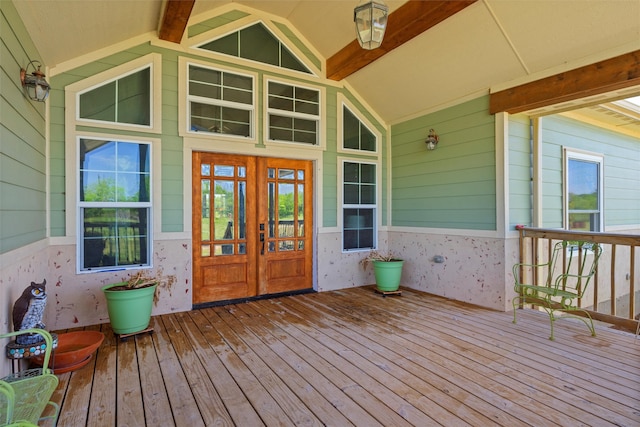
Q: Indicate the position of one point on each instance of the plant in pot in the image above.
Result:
(387, 269)
(129, 303)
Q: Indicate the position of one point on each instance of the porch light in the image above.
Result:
(35, 86)
(432, 140)
(371, 23)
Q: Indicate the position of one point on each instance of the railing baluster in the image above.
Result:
(632, 280)
(613, 280)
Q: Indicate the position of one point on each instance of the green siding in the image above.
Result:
(22, 141)
(454, 185)
(172, 148)
(215, 22)
(520, 207)
(621, 169)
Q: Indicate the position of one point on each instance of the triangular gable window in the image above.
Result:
(256, 43)
(125, 100)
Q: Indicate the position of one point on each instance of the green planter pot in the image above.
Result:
(388, 274)
(129, 310)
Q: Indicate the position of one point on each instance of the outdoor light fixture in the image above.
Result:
(34, 84)
(371, 22)
(432, 140)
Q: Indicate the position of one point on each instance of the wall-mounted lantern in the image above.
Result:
(432, 140)
(35, 86)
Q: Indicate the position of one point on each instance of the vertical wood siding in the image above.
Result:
(453, 186)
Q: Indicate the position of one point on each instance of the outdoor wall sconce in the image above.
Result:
(432, 140)
(35, 86)
(371, 23)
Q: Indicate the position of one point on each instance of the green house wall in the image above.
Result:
(22, 140)
(621, 169)
(453, 186)
(173, 199)
(520, 170)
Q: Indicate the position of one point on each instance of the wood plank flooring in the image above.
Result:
(354, 357)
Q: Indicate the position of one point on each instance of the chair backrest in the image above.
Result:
(7, 402)
(25, 394)
(580, 262)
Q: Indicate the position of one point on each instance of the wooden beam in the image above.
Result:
(175, 18)
(605, 76)
(406, 22)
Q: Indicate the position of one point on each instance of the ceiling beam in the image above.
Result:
(409, 20)
(605, 76)
(175, 18)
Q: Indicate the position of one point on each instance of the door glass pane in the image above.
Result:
(271, 173)
(242, 172)
(286, 245)
(221, 170)
(205, 170)
(285, 210)
(205, 250)
(223, 249)
(224, 214)
(242, 214)
(301, 175)
(285, 173)
(272, 247)
(271, 209)
(300, 212)
(206, 210)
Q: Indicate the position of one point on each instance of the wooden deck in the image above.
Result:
(354, 357)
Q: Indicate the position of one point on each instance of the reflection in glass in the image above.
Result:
(206, 210)
(224, 210)
(285, 173)
(242, 171)
(301, 175)
(242, 214)
(271, 173)
(272, 247)
(285, 245)
(300, 210)
(242, 248)
(285, 210)
(301, 245)
(205, 170)
(221, 170)
(205, 250)
(223, 249)
(271, 209)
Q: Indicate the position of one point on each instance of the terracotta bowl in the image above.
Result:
(73, 349)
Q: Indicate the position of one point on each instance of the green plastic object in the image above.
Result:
(566, 275)
(25, 394)
(388, 274)
(129, 310)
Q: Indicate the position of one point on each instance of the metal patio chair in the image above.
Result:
(24, 395)
(565, 282)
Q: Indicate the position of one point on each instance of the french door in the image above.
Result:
(252, 226)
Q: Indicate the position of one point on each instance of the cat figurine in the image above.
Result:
(28, 311)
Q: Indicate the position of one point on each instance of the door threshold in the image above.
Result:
(248, 299)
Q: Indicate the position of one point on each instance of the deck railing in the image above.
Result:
(615, 294)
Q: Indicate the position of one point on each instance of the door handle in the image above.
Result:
(262, 241)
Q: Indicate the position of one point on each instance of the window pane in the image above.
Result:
(583, 185)
(350, 130)
(257, 44)
(134, 98)
(99, 103)
(228, 45)
(367, 139)
(368, 173)
(114, 237)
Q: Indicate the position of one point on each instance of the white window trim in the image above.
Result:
(184, 99)
(73, 92)
(321, 117)
(342, 206)
(237, 25)
(222, 103)
(73, 212)
(342, 103)
(575, 154)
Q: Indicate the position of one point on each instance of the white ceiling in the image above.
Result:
(492, 44)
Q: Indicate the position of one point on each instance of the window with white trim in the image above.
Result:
(293, 113)
(583, 191)
(220, 102)
(355, 134)
(114, 188)
(124, 100)
(358, 205)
